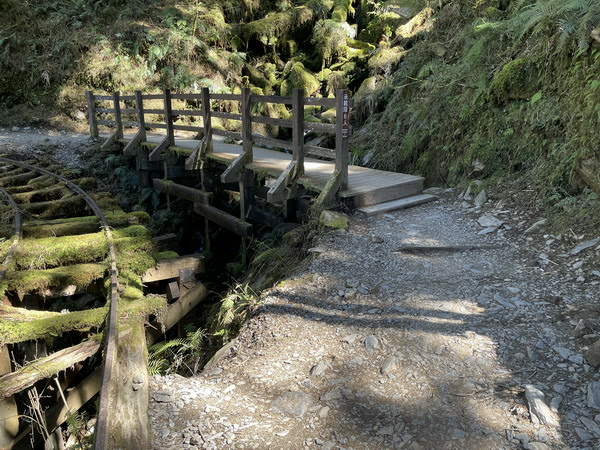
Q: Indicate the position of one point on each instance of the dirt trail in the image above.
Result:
(374, 348)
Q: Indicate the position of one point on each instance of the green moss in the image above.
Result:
(56, 279)
(386, 59)
(382, 25)
(49, 193)
(56, 251)
(516, 80)
(82, 225)
(13, 332)
(341, 10)
(299, 77)
(164, 255)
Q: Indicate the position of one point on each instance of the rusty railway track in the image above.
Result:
(17, 180)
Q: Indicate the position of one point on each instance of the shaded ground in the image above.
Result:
(373, 348)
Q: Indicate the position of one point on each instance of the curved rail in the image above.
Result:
(18, 232)
(109, 359)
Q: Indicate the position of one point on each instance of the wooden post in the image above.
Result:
(206, 119)
(298, 129)
(9, 415)
(342, 132)
(91, 101)
(169, 117)
(142, 152)
(139, 106)
(246, 124)
(117, 107)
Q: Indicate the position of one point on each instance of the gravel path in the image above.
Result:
(371, 347)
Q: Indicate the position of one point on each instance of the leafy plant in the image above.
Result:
(177, 354)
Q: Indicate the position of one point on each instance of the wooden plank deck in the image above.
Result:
(365, 186)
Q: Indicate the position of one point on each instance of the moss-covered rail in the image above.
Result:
(68, 275)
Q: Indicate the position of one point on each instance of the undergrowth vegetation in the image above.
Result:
(492, 89)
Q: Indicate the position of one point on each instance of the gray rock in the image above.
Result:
(555, 403)
(320, 368)
(162, 396)
(503, 301)
(376, 240)
(371, 343)
(593, 354)
(592, 426)
(293, 403)
(333, 394)
(487, 230)
(593, 394)
(540, 412)
(481, 198)
(334, 219)
(487, 220)
(584, 245)
(434, 191)
(583, 434)
(536, 226)
(536, 446)
(389, 365)
(562, 351)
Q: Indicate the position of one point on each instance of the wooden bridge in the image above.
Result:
(279, 171)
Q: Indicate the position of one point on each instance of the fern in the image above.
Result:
(570, 21)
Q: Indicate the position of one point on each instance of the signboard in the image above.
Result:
(346, 114)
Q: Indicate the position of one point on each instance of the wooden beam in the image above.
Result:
(41, 368)
(233, 171)
(179, 190)
(155, 154)
(176, 311)
(132, 146)
(91, 101)
(227, 221)
(283, 183)
(169, 268)
(327, 195)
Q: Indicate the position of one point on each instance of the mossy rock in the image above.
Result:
(256, 77)
(517, 80)
(341, 10)
(299, 77)
(382, 25)
(405, 8)
(334, 219)
(386, 59)
(367, 88)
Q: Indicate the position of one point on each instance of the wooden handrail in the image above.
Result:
(342, 104)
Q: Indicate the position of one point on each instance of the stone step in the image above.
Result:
(402, 203)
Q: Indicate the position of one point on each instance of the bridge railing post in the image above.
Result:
(139, 106)
(169, 116)
(206, 119)
(246, 124)
(91, 102)
(298, 129)
(117, 107)
(342, 132)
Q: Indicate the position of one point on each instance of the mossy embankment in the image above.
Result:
(494, 90)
